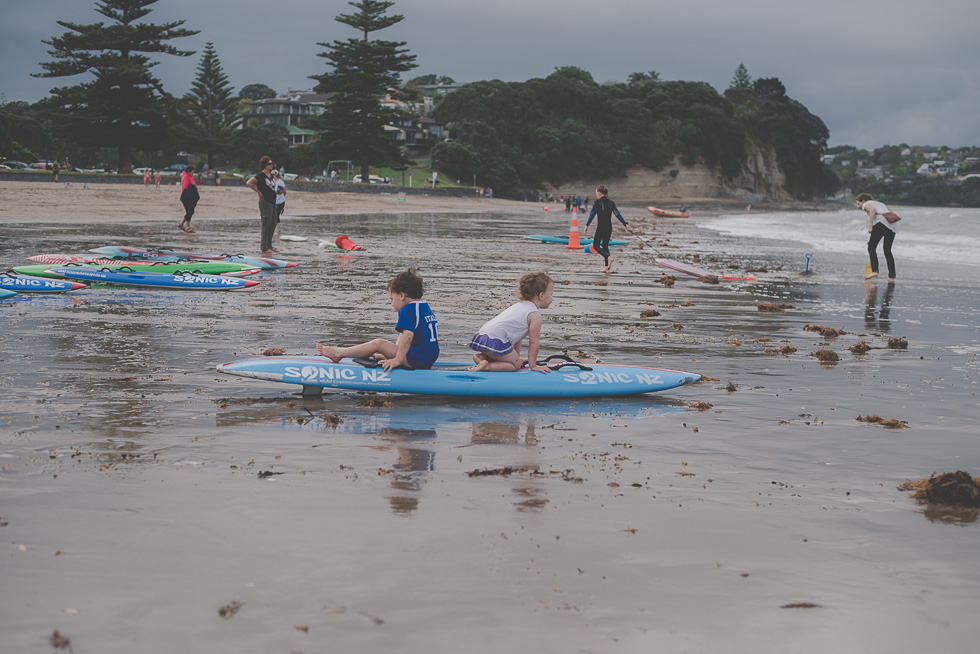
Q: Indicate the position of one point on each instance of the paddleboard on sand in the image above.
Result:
(564, 240)
(29, 284)
(688, 269)
(168, 254)
(294, 238)
(196, 267)
(566, 379)
(669, 214)
(4, 293)
(157, 280)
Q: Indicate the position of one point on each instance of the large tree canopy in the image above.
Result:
(353, 127)
(123, 104)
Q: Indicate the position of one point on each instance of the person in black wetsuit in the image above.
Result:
(604, 208)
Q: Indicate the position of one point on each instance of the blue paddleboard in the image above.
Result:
(566, 379)
(4, 293)
(157, 280)
(29, 284)
(564, 240)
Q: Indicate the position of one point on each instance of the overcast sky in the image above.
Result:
(878, 72)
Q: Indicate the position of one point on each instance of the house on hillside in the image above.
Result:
(289, 111)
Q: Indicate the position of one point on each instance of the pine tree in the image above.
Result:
(742, 79)
(123, 105)
(213, 110)
(353, 127)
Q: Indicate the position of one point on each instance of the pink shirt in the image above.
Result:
(186, 179)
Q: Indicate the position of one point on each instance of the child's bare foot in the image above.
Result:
(329, 352)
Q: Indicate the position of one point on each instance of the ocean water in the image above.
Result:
(926, 234)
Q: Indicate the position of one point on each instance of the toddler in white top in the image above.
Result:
(498, 343)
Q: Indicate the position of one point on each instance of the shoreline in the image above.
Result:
(40, 202)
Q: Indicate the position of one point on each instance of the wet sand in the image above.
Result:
(141, 492)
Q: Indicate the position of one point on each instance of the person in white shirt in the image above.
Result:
(880, 228)
(498, 343)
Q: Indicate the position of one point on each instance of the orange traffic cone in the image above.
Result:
(573, 241)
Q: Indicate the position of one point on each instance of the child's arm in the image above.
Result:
(402, 344)
(533, 338)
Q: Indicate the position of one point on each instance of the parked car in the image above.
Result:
(175, 169)
(373, 179)
(20, 165)
(41, 165)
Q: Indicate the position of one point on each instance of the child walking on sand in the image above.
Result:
(604, 208)
(418, 339)
(498, 343)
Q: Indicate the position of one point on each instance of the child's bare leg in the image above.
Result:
(371, 348)
(498, 363)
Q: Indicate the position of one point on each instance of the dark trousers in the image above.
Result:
(600, 243)
(267, 211)
(189, 205)
(879, 232)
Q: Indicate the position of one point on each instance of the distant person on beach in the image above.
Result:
(498, 343)
(604, 208)
(189, 197)
(880, 228)
(146, 178)
(280, 201)
(418, 339)
(568, 204)
(157, 179)
(54, 170)
(265, 186)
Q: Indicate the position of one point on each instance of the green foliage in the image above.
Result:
(122, 103)
(212, 113)
(252, 143)
(256, 92)
(353, 127)
(429, 80)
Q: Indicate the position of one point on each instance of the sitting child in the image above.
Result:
(498, 343)
(418, 340)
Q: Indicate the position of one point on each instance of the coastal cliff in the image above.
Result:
(761, 181)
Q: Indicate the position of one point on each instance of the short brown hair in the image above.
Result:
(533, 283)
(263, 162)
(408, 282)
(864, 197)
(601, 188)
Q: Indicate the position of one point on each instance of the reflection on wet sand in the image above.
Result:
(410, 468)
(882, 322)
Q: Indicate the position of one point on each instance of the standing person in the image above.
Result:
(189, 197)
(157, 179)
(880, 227)
(280, 201)
(498, 343)
(604, 208)
(263, 184)
(217, 178)
(146, 178)
(54, 170)
(418, 337)
(568, 204)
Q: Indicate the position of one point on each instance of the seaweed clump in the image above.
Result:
(649, 313)
(955, 489)
(769, 307)
(860, 348)
(274, 352)
(826, 332)
(786, 350)
(826, 356)
(897, 344)
(891, 423)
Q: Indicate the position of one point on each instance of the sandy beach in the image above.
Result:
(148, 503)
